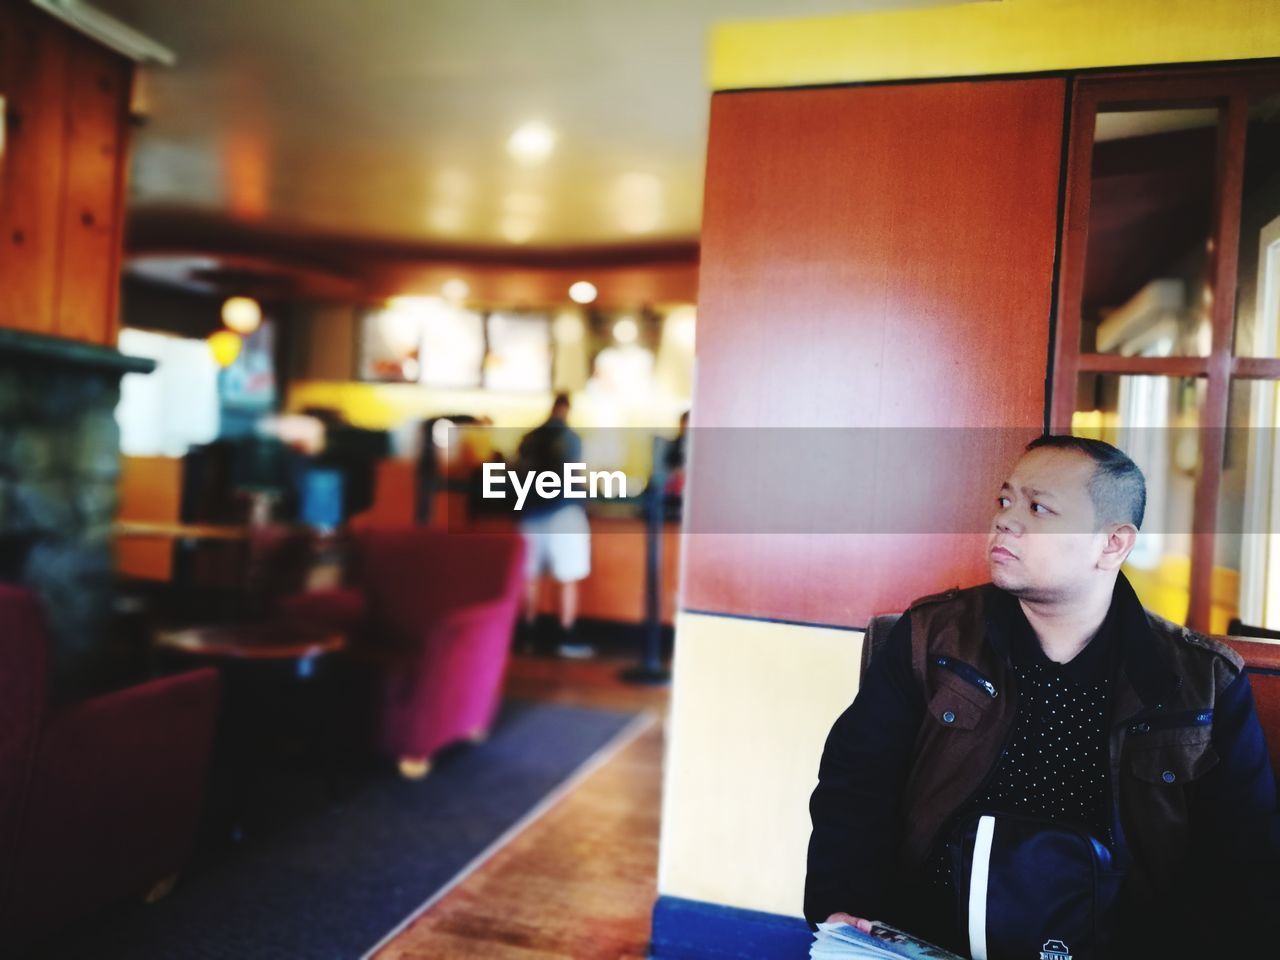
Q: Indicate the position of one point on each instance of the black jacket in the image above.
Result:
(1233, 884)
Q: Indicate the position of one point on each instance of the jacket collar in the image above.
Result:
(1144, 658)
(1147, 661)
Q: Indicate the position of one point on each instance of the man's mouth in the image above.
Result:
(1002, 554)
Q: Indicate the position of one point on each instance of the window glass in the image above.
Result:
(1145, 289)
(1257, 331)
(1246, 571)
(1156, 421)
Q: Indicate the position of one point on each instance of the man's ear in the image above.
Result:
(1119, 543)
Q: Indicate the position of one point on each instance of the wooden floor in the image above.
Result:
(580, 881)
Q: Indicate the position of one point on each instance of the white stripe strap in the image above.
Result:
(978, 887)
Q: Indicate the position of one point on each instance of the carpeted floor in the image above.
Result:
(335, 877)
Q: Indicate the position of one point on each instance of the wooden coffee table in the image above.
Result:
(258, 640)
(274, 692)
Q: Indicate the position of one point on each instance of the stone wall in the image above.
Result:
(59, 466)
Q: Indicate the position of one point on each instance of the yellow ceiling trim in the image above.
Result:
(989, 37)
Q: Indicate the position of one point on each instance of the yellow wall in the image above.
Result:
(975, 39)
(385, 406)
(751, 707)
(621, 439)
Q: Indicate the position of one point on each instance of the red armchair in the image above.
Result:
(99, 800)
(435, 615)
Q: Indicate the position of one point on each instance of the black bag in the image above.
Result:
(1030, 888)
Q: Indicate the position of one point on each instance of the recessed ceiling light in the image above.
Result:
(582, 292)
(241, 314)
(532, 142)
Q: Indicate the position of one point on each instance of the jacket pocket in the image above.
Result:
(1175, 759)
(955, 704)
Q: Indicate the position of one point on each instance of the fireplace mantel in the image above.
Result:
(20, 345)
(59, 473)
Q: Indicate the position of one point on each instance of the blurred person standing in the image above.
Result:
(556, 531)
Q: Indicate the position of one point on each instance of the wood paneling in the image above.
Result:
(318, 264)
(34, 65)
(62, 177)
(1262, 663)
(98, 83)
(874, 257)
(150, 490)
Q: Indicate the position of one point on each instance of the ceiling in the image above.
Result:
(389, 119)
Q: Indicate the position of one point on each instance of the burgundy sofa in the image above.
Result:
(99, 800)
(431, 614)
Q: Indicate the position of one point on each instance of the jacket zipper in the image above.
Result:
(966, 672)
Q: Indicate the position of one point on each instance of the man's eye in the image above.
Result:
(1002, 501)
(1041, 509)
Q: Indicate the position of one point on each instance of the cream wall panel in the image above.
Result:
(751, 707)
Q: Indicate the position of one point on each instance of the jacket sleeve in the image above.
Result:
(1236, 821)
(856, 806)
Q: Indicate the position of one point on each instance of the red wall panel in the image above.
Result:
(872, 257)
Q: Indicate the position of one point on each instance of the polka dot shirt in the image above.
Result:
(1055, 764)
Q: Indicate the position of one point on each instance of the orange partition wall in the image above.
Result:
(150, 489)
(875, 256)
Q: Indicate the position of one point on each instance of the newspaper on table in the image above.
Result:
(840, 941)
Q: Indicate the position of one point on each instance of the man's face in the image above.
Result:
(1043, 545)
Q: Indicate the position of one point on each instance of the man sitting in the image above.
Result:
(1051, 693)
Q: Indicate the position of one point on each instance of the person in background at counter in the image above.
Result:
(556, 532)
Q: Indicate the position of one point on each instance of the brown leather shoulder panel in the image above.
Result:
(1199, 655)
(934, 598)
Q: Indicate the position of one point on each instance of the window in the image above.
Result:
(176, 406)
(1168, 340)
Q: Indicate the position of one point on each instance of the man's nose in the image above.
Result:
(1004, 523)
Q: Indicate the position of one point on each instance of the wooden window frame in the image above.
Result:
(1231, 89)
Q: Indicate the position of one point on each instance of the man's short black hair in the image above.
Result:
(1117, 487)
(561, 400)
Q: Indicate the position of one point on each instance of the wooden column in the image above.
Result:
(62, 177)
